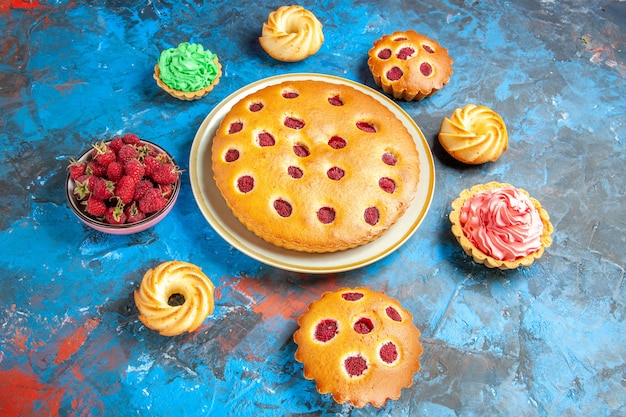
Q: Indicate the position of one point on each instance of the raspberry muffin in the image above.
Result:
(409, 66)
(359, 345)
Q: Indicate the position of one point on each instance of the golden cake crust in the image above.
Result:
(483, 258)
(171, 278)
(409, 66)
(306, 168)
(474, 134)
(359, 345)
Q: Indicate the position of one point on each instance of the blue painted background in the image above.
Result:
(545, 340)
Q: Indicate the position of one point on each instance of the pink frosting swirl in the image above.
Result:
(503, 223)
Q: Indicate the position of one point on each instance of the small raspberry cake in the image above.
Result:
(409, 66)
(314, 166)
(359, 345)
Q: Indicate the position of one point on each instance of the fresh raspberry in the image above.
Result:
(145, 150)
(150, 164)
(115, 215)
(94, 168)
(116, 144)
(134, 169)
(95, 207)
(166, 190)
(133, 214)
(103, 154)
(125, 189)
(131, 139)
(103, 189)
(83, 186)
(115, 171)
(152, 201)
(165, 174)
(126, 153)
(76, 169)
(141, 188)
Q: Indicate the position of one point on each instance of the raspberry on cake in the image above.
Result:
(359, 345)
(314, 166)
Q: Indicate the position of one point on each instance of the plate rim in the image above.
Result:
(240, 245)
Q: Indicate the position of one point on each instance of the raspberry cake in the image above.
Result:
(409, 66)
(314, 166)
(359, 345)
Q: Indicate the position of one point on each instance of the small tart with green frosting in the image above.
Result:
(187, 72)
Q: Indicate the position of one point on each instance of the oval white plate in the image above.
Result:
(219, 216)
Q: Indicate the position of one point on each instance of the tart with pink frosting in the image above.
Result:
(500, 226)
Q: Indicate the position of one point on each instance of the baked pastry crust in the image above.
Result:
(320, 166)
(474, 134)
(409, 66)
(359, 345)
(188, 95)
(171, 278)
(483, 258)
(291, 34)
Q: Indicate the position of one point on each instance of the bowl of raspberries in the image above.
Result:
(122, 186)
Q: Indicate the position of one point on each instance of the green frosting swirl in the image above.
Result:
(188, 67)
